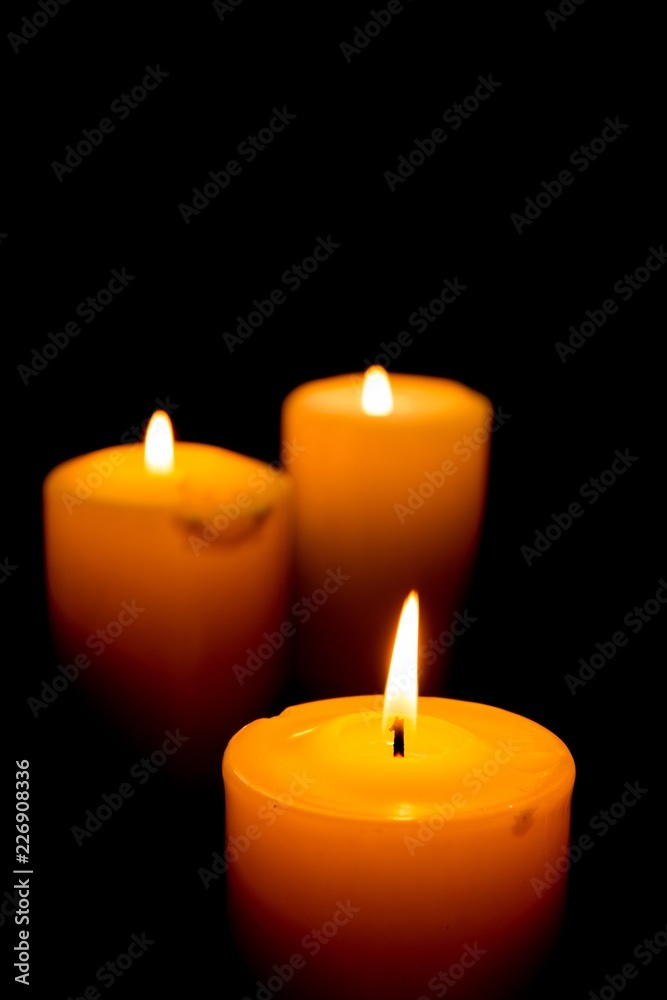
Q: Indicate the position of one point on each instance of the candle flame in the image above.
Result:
(376, 397)
(400, 695)
(159, 444)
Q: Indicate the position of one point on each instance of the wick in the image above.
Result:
(399, 740)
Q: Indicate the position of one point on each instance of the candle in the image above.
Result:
(390, 490)
(165, 566)
(390, 853)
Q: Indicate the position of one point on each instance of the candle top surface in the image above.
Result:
(413, 395)
(480, 759)
(203, 477)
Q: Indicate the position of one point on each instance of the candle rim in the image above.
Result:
(443, 393)
(559, 784)
(137, 488)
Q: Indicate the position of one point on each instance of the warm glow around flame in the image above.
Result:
(400, 695)
(376, 397)
(159, 444)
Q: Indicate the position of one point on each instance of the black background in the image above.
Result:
(163, 338)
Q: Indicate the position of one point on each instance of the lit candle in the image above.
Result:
(390, 492)
(386, 854)
(165, 566)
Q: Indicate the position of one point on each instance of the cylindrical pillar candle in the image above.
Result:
(162, 586)
(387, 498)
(356, 873)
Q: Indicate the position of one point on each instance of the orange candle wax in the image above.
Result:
(354, 871)
(388, 499)
(163, 580)
(370, 875)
